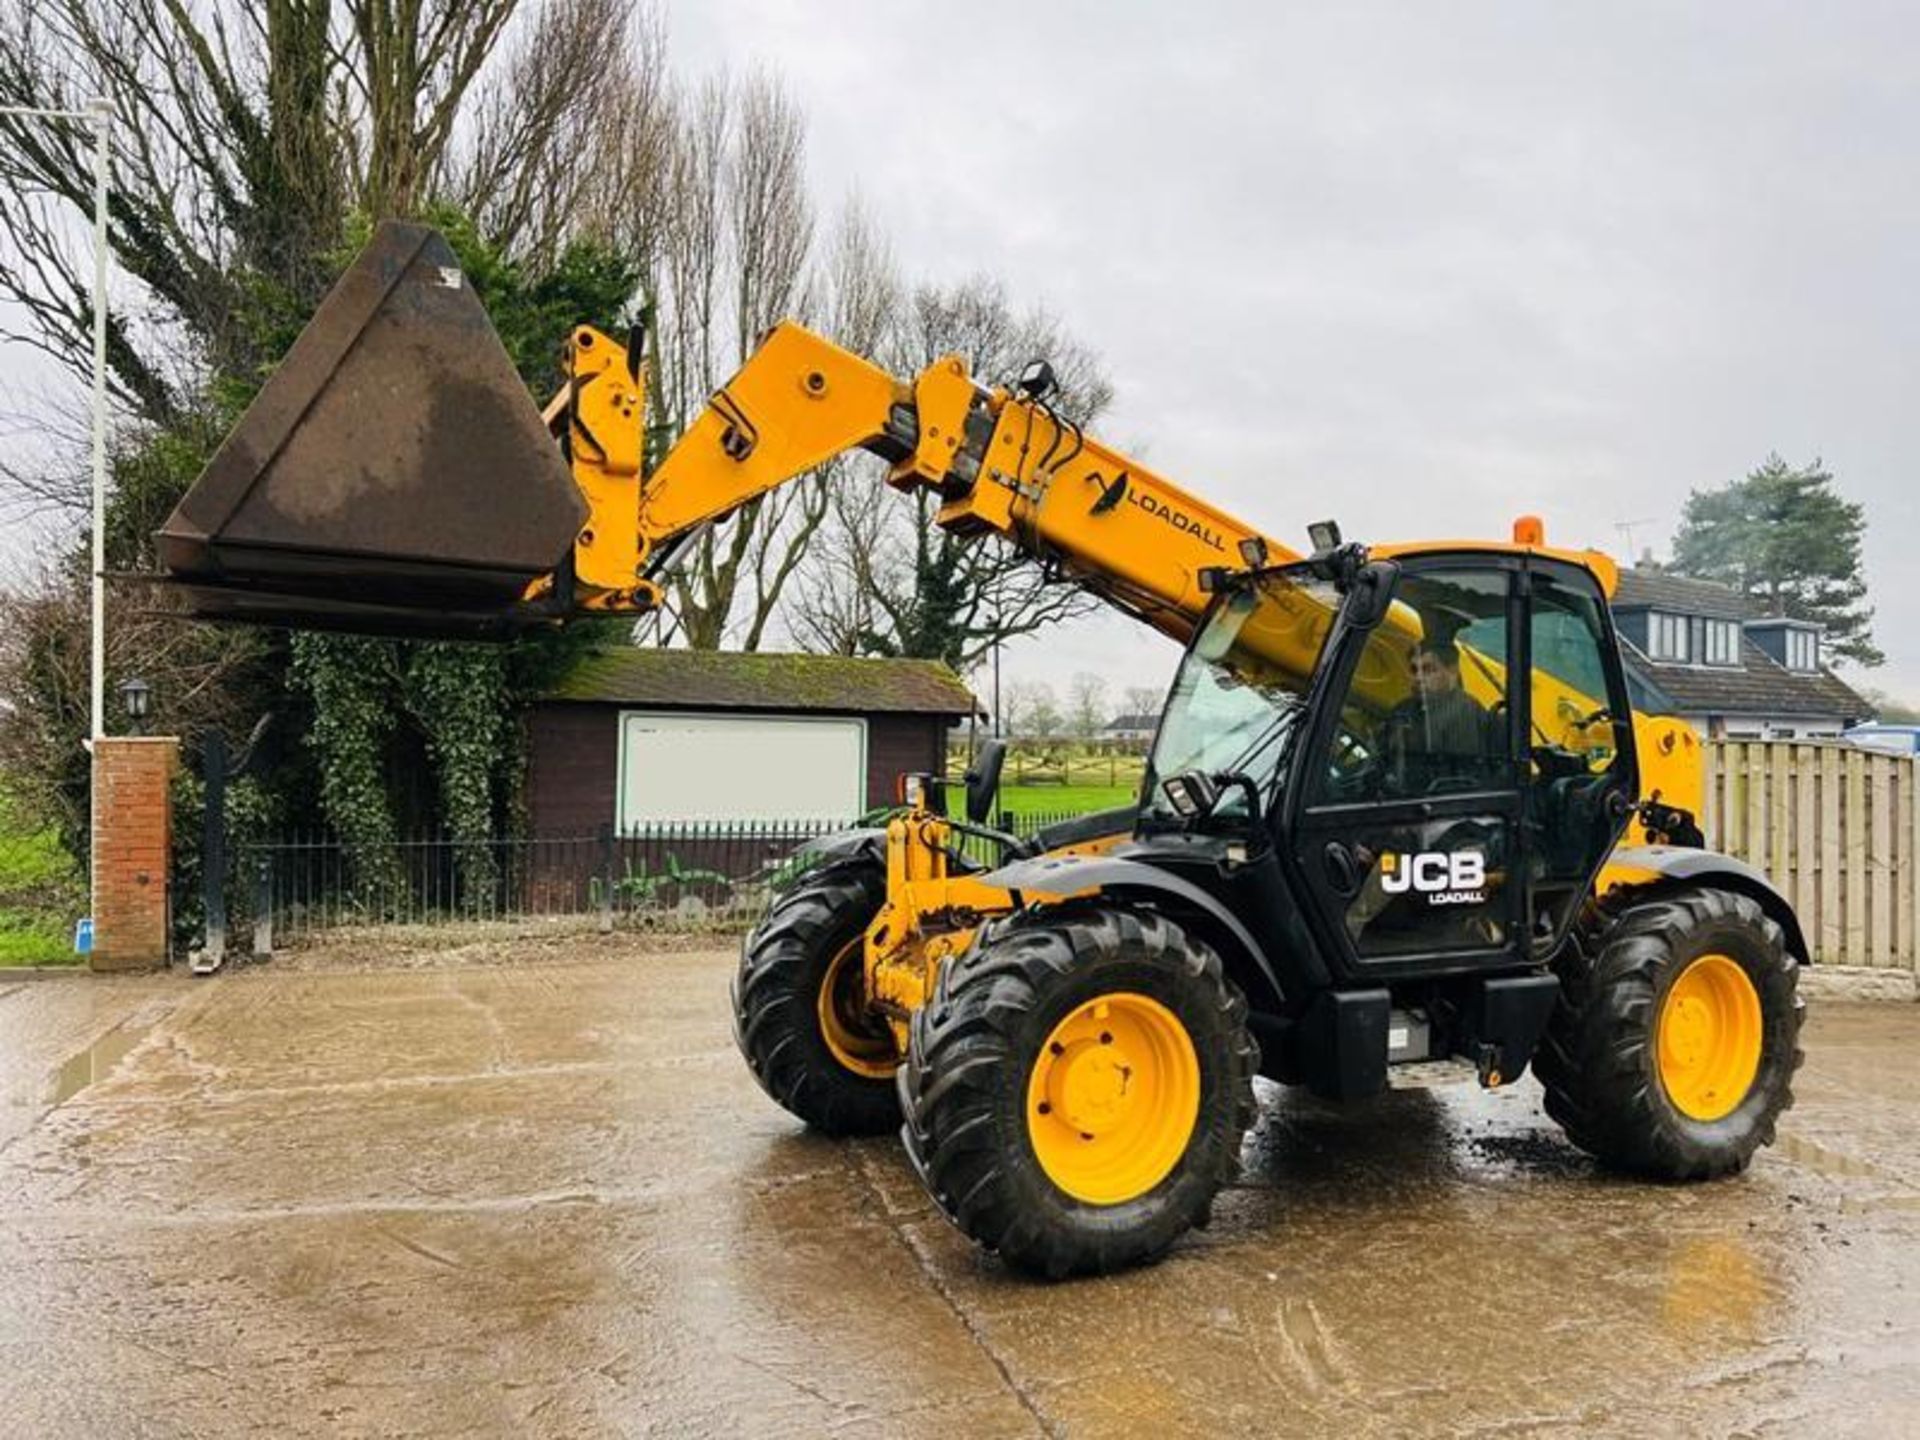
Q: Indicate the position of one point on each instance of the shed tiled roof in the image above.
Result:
(1759, 685)
(729, 680)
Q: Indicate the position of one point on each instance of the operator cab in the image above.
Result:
(1398, 769)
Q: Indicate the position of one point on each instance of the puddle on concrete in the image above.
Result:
(1830, 1162)
(97, 1061)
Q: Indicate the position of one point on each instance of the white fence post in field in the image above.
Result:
(1837, 829)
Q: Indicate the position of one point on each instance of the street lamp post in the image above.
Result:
(102, 114)
(999, 727)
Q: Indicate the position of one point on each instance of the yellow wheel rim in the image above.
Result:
(1709, 1036)
(1113, 1098)
(859, 1039)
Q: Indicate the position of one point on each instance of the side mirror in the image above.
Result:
(1369, 593)
(983, 780)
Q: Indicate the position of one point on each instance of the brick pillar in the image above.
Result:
(132, 830)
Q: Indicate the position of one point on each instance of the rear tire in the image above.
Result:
(992, 1056)
(781, 1018)
(1676, 1104)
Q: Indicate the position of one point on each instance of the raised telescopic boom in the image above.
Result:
(391, 463)
(1003, 462)
(391, 476)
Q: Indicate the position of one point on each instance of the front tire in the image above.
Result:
(1673, 1048)
(799, 1013)
(1077, 1090)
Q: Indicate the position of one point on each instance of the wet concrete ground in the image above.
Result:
(545, 1198)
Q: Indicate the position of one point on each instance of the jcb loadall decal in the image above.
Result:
(1445, 877)
(1179, 520)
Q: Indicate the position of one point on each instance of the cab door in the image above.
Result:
(1579, 768)
(1408, 811)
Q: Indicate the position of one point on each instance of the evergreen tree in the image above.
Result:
(1785, 537)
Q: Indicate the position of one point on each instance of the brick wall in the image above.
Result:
(573, 766)
(902, 745)
(131, 833)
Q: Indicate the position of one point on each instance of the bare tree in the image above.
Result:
(976, 320)
(1087, 704)
(573, 136)
(406, 67)
(1018, 699)
(687, 355)
(836, 609)
(227, 172)
(1143, 700)
(1042, 711)
(735, 251)
(887, 581)
(244, 134)
(212, 677)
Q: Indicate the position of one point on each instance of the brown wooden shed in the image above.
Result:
(646, 736)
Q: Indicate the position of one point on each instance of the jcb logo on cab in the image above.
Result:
(1450, 877)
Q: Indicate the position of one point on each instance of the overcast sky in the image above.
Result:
(1419, 267)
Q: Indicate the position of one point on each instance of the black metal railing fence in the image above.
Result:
(688, 875)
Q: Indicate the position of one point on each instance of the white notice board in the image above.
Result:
(740, 767)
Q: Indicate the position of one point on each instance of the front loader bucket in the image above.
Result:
(393, 474)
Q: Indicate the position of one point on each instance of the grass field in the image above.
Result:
(1056, 800)
(40, 893)
(1057, 780)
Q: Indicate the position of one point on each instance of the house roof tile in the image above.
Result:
(1759, 685)
(1643, 589)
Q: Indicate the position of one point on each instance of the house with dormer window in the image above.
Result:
(1704, 652)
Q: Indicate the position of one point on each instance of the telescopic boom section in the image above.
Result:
(1002, 464)
(797, 402)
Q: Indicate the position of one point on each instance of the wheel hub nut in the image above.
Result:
(1090, 1087)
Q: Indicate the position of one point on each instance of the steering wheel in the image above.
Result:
(1355, 774)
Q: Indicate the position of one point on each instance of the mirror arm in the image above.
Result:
(1234, 780)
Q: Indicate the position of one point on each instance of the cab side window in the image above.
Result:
(1574, 760)
(1425, 711)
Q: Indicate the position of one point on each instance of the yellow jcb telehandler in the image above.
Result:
(1399, 821)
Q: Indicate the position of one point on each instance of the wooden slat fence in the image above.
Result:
(1838, 831)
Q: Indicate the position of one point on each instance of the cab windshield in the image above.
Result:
(1240, 696)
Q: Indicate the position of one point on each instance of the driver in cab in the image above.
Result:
(1439, 738)
(1440, 733)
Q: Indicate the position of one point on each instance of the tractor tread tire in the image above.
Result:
(964, 1084)
(1598, 1065)
(776, 1023)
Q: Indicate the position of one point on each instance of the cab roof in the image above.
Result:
(1603, 566)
